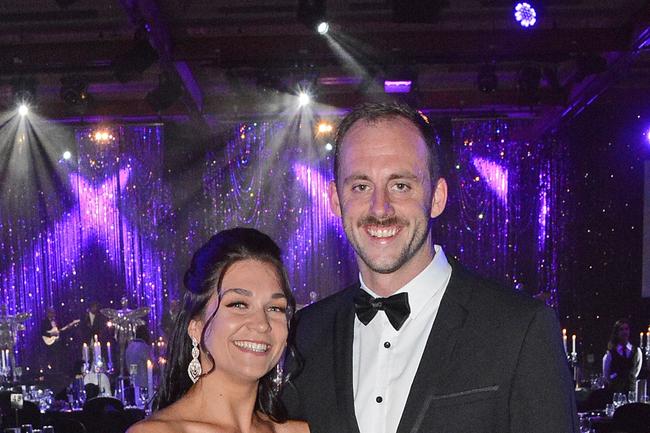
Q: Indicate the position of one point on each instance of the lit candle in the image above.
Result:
(573, 343)
(149, 377)
(85, 354)
(564, 340)
(108, 351)
(641, 340)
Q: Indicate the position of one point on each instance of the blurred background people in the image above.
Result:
(622, 361)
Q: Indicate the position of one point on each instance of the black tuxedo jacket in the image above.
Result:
(493, 363)
(98, 327)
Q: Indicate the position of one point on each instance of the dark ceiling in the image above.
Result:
(224, 59)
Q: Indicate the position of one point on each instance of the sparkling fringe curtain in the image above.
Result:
(110, 230)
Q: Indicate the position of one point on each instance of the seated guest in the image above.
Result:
(137, 353)
(100, 380)
(622, 361)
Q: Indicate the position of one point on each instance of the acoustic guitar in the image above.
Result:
(56, 332)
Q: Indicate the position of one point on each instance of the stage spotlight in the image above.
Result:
(23, 109)
(131, 64)
(329, 147)
(399, 79)
(312, 14)
(487, 79)
(397, 86)
(304, 99)
(168, 91)
(67, 155)
(324, 128)
(322, 28)
(74, 92)
(525, 14)
(101, 136)
(647, 135)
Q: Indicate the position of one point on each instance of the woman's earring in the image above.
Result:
(277, 377)
(194, 369)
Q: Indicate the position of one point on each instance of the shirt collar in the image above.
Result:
(427, 284)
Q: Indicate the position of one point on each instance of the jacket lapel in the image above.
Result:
(440, 345)
(343, 336)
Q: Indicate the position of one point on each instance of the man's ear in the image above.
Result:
(333, 194)
(439, 200)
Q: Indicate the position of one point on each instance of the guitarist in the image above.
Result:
(54, 347)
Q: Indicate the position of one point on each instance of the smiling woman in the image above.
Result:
(228, 340)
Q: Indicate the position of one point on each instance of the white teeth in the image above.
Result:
(249, 345)
(382, 233)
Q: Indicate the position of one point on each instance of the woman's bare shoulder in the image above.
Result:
(292, 427)
(153, 426)
(164, 421)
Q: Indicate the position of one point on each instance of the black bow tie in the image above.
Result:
(396, 308)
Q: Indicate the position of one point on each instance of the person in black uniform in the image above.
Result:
(622, 361)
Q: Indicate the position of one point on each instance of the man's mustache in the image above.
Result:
(385, 222)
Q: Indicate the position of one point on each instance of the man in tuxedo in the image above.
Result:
(93, 323)
(418, 344)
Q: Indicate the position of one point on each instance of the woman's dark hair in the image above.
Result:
(205, 275)
(613, 339)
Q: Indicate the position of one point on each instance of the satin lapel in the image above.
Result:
(435, 359)
(343, 336)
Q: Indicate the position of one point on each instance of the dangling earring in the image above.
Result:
(278, 377)
(194, 369)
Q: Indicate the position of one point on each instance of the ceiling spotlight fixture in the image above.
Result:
(487, 80)
(101, 136)
(130, 65)
(324, 128)
(304, 99)
(322, 28)
(329, 147)
(525, 14)
(67, 155)
(23, 109)
(74, 92)
(169, 90)
(399, 79)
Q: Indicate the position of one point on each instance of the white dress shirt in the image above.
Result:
(384, 361)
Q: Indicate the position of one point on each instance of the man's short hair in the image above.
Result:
(373, 112)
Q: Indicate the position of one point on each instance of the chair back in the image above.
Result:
(68, 425)
(632, 418)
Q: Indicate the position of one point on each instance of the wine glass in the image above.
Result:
(619, 399)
